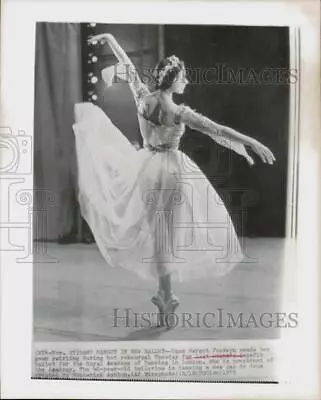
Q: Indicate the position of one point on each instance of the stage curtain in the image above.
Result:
(58, 86)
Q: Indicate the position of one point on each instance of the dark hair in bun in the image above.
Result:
(166, 72)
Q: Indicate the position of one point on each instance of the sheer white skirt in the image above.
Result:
(148, 209)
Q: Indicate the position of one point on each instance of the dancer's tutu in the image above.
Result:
(152, 210)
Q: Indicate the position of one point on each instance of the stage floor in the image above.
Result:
(75, 298)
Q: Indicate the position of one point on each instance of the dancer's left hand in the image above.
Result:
(101, 38)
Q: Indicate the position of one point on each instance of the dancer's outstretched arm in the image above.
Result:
(129, 71)
(225, 135)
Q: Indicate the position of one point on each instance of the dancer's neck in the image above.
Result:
(167, 94)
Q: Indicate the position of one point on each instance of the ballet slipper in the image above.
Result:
(169, 311)
(158, 301)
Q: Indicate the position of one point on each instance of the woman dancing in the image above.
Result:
(149, 209)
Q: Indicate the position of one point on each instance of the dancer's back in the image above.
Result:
(159, 110)
(159, 121)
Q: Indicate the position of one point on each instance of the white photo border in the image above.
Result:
(17, 109)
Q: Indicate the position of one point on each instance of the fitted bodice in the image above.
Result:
(160, 136)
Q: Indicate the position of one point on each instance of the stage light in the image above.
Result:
(93, 60)
(92, 78)
(92, 25)
(92, 96)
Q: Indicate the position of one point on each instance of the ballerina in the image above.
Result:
(146, 210)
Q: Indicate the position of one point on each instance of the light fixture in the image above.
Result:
(92, 96)
(93, 60)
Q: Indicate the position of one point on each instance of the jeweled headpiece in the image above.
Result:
(173, 62)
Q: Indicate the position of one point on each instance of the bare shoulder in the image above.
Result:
(168, 110)
(149, 104)
(151, 99)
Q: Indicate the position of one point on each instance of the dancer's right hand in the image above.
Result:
(264, 152)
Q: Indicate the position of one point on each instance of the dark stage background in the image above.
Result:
(258, 110)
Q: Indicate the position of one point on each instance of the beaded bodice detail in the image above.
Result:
(160, 137)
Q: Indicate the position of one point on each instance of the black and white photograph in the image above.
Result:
(167, 150)
(159, 199)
